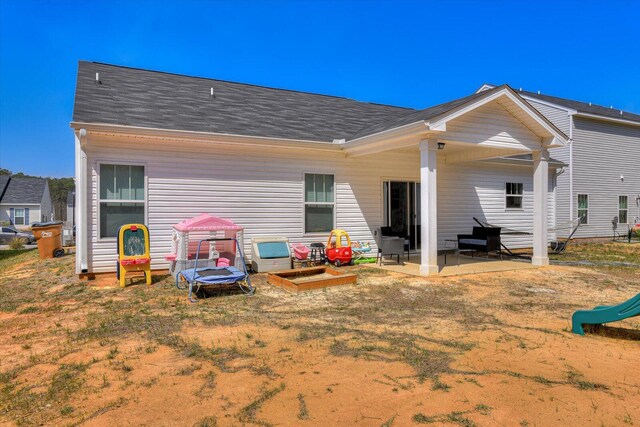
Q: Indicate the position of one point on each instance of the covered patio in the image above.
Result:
(484, 127)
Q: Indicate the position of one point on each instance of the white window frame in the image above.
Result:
(15, 216)
(145, 202)
(305, 203)
(626, 210)
(578, 206)
(521, 208)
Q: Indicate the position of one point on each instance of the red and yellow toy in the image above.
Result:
(133, 252)
(339, 250)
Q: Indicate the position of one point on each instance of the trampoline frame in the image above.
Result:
(247, 288)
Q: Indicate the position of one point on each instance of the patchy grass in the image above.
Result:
(248, 413)
(68, 343)
(601, 253)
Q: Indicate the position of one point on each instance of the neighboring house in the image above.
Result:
(24, 200)
(157, 148)
(602, 178)
(71, 206)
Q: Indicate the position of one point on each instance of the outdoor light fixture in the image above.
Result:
(440, 145)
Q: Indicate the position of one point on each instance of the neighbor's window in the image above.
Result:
(18, 216)
(319, 203)
(622, 209)
(514, 195)
(583, 208)
(122, 197)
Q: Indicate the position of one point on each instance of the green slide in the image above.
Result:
(606, 314)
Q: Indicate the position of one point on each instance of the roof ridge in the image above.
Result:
(248, 84)
(590, 104)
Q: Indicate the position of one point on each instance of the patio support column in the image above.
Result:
(540, 208)
(428, 208)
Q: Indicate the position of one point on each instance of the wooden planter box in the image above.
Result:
(306, 279)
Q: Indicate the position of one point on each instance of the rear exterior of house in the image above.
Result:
(602, 178)
(158, 148)
(24, 201)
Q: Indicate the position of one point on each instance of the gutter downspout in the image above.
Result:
(571, 167)
(82, 241)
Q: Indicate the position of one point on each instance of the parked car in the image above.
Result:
(7, 234)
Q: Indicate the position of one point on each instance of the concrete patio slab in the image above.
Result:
(467, 265)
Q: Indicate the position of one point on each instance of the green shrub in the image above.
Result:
(17, 243)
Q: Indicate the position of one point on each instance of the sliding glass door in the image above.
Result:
(401, 204)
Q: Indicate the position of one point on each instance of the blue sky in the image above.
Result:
(413, 54)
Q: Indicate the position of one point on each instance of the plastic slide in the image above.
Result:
(606, 314)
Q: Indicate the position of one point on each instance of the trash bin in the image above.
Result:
(49, 238)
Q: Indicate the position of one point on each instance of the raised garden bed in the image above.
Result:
(307, 279)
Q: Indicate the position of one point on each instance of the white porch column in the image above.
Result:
(428, 208)
(540, 208)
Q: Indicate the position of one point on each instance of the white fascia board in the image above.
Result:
(608, 119)
(181, 135)
(484, 87)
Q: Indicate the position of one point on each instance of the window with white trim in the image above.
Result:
(513, 195)
(623, 209)
(583, 208)
(122, 197)
(19, 216)
(319, 203)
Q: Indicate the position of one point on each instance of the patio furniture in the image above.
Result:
(388, 232)
(483, 239)
(450, 248)
(389, 245)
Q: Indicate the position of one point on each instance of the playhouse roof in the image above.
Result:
(206, 222)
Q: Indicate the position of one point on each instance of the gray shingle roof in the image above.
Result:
(135, 97)
(584, 107)
(416, 116)
(24, 190)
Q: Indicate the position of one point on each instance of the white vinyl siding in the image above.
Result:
(603, 153)
(264, 191)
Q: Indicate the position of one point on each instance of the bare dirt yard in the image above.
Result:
(488, 349)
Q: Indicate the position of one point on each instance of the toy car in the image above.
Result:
(339, 250)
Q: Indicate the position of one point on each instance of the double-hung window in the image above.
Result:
(623, 209)
(583, 208)
(122, 197)
(19, 216)
(514, 194)
(319, 203)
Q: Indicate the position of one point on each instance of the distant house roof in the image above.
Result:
(579, 106)
(135, 97)
(4, 180)
(24, 190)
